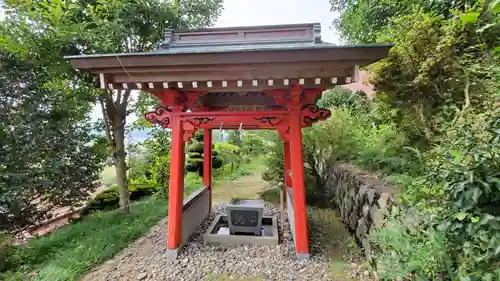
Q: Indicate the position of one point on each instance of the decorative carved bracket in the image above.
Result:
(160, 116)
(311, 113)
(271, 120)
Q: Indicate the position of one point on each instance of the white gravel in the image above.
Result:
(145, 260)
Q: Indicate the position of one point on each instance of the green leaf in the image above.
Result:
(474, 219)
(487, 277)
(460, 216)
(495, 7)
(465, 278)
(469, 17)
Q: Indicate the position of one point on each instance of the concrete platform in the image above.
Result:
(218, 233)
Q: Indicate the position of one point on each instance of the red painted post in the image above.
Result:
(287, 165)
(207, 163)
(176, 188)
(298, 191)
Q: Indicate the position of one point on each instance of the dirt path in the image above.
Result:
(246, 187)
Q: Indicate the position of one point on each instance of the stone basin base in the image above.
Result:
(218, 233)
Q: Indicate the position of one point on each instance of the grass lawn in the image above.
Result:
(73, 250)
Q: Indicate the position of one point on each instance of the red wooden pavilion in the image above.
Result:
(263, 77)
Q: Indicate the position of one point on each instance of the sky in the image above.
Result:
(269, 12)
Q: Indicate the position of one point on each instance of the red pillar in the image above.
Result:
(207, 163)
(176, 188)
(298, 191)
(287, 165)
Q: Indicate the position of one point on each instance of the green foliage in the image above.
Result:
(161, 174)
(364, 21)
(468, 167)
(109, 198)
(46, 145)
(271, 195)
(229, 153)
(252, 145)
(71, 251)
(194, 161)
(192, 182)
(340, 97)
(433, 74)
(348, 135)
(440, 88)
(46, 31)
(6, 251)
(410, 248)
(235, 138)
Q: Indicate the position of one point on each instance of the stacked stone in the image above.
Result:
(361, 199)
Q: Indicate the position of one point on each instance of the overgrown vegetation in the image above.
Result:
(433, 129)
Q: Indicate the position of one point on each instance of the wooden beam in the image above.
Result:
(223, 75)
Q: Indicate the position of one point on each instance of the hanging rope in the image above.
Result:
(240, 130)
(220, 131)
(124, 69)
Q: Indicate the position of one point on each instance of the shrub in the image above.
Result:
(344, 98)
(412, 249)
(161, 174)
(194, 161)
(142, 187)
(109, 198)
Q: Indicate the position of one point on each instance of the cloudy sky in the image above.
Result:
(267, 12)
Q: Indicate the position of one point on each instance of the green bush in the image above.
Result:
(161, 174)
(109, 198)
(344, 98)
(408, 247)
(142, 187)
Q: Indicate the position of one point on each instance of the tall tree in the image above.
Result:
(363, 21)
(116, 26)
(47, 158)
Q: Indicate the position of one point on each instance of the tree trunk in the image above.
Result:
(121, 166)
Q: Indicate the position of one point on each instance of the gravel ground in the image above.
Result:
(144, 259)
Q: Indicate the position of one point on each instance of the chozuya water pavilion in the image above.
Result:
(262, 77)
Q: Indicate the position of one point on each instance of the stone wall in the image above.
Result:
(361, 199)
(194, 211)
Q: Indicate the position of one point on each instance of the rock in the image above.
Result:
(365, 210)
(361, 230)
(383, 200)
(375, 216)
(371, 195)
(142, 276)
